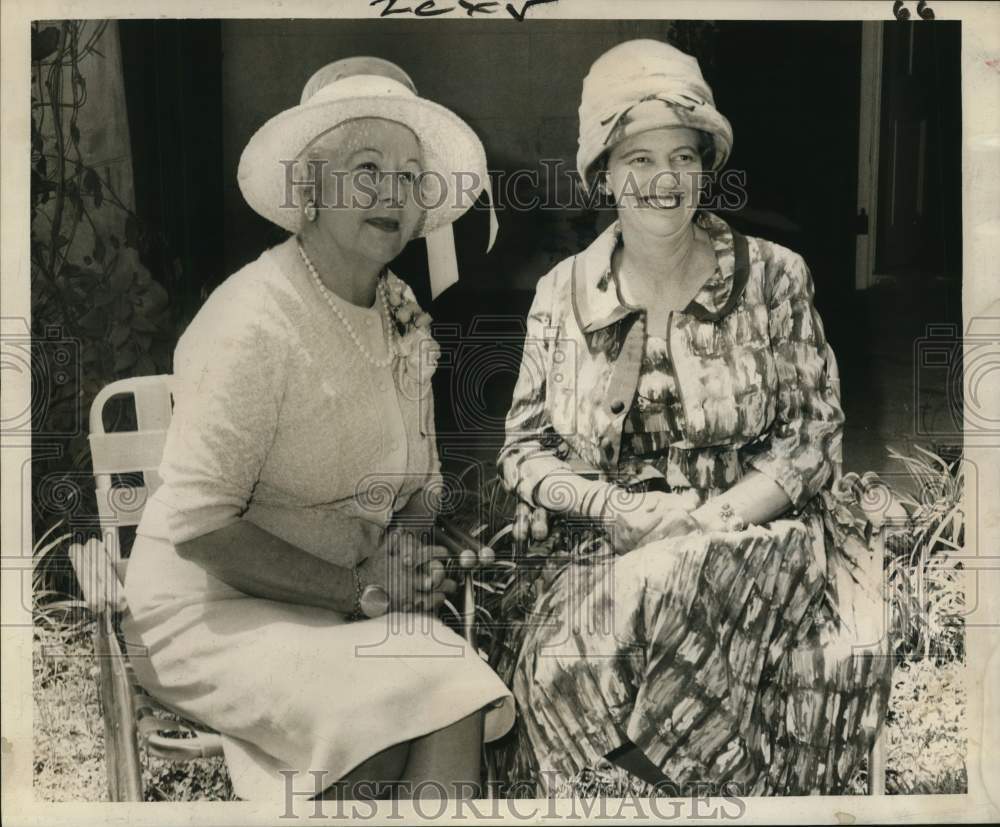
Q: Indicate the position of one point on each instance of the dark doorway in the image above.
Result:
(173, 85)
(918, 239)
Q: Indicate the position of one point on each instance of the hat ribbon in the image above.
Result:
(678, 99)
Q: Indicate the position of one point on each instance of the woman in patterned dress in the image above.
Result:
(677, 388)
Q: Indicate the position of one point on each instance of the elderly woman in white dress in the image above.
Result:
(297, 470)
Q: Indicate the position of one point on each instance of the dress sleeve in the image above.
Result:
(229, 374)
(804, 439)
(529, 452)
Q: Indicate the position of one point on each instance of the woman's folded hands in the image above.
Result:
(634, 518)
(410, 571)
(631, 518)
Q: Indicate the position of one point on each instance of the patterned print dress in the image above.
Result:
(746, 659)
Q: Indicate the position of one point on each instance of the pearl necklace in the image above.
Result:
(326, 294)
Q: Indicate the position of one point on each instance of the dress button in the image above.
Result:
(617, 406)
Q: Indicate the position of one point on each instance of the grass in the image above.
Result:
(69, 733)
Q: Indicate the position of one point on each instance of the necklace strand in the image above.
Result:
(326, 294)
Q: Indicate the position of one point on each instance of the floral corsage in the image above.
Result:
(418, 351)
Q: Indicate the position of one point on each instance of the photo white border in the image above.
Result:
(981, 287)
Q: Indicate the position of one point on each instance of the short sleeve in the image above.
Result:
(804, 439)
(229, 373)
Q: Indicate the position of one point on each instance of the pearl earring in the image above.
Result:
(309, 211)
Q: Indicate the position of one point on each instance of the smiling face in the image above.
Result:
(653, 177)
(370, 169)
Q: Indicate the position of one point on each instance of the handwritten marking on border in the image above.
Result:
(431, 8)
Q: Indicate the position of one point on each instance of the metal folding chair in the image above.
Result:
(130, 714)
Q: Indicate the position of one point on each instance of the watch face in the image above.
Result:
(374, 601)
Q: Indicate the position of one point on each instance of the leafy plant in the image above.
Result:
(96, 312)
(53, 608)
(507, 587)
(924, 567)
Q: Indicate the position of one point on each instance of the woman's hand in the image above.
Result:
(634, 519)
(411, 528)
(530, 523)
(410, 571)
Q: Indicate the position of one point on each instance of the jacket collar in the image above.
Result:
(597, 296)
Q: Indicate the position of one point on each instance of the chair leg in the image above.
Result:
(120, 744)
(876, 766)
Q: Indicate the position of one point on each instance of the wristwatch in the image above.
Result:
(370, 600)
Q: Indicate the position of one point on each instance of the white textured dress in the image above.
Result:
(281, 421)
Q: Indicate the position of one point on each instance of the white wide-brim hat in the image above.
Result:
(454, 160)
(641, 85)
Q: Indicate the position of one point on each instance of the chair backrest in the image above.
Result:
(119, 456)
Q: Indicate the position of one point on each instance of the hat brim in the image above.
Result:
(453, 155)
(704, 118)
